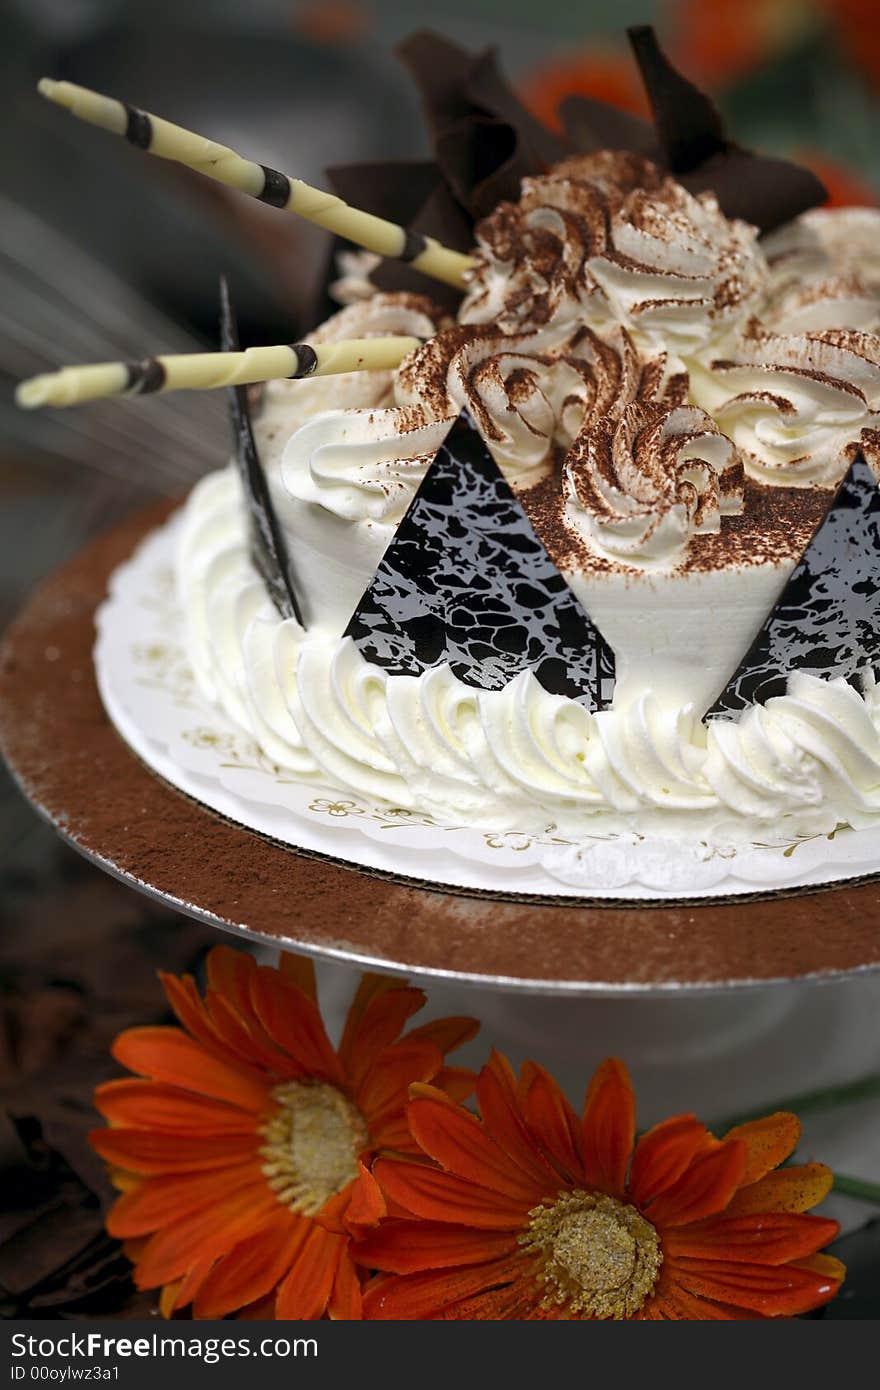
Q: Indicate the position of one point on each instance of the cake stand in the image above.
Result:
(675, 989)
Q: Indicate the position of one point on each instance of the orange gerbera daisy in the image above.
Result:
(532, 1212)
(243, 1148)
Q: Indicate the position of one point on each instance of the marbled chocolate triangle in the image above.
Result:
(268, 550)
(827, 619)
(466, 580)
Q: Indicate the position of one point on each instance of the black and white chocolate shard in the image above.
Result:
(267, 546)
(826, 622)
(466, 581)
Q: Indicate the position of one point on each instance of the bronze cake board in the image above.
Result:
(84, 779)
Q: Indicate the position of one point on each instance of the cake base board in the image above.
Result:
(76, 770)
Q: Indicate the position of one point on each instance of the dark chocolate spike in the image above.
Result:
(145, 376)
(138, 127)
(268, 548)
(689, 127)
(826, 622)
(764, 191)
(466, 580)
(485, 140)
(693, 145)
(276, 187)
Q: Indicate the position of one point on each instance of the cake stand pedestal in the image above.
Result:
(713, 1005)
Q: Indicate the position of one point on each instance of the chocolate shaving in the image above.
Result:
(268, 549)
(693, 146)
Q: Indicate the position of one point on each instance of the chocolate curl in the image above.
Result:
(693, 145)
(485, 140)
(268, 548)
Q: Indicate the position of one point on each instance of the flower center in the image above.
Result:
(312, 1142)
(598, 1256)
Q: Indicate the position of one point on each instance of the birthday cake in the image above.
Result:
(604, 548)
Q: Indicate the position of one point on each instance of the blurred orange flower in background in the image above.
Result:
(533, 1212)
(243, 1146)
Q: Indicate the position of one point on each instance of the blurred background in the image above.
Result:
(106, 253)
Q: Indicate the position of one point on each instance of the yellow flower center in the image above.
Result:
(596, 1255)
(312, 1142)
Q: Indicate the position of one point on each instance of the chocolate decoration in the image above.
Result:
(268, 548)
(591, 125)
(466, 580)
(413, 194)
(138, 127)
(276, 188)
(827, 620)
(688, 125)
(306, 360)
(485, 142)
(145, 376)
(413, 245)
(693, 145)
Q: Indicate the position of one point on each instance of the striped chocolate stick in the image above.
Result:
(207, 371)
(169, 141)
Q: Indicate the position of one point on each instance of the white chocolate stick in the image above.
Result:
(169, 141)
(207, 371)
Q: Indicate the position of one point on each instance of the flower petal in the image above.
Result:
(663, 1154)
(293, 1021)
(679, 1305)
(457, 1140)
(305, 1292)
(502, 1118)
(552, 1120)
(159, 1201)
(379, 1025)
(773, 1238)
(776, 1292)
(370, 987)
(432, 1195)
(346, 1303)
(252, 1268)
(386, 1085)
(446, 1033)
(705, 1188)
(300, 971)
(139, 1104)
(407, 1247)
(609, 1127)
(205, 1235)
(769, 1142)
(148, 1151)
(787, 1189)
(457, 1082)
(423, 1295)
(167, 1054)
(367, 1204)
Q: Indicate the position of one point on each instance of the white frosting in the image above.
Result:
(519, 756)
(767, 364)
(639, 487)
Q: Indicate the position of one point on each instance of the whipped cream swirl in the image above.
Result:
(606, 239)
(797, 405)
(640, 485)
(518, 757)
